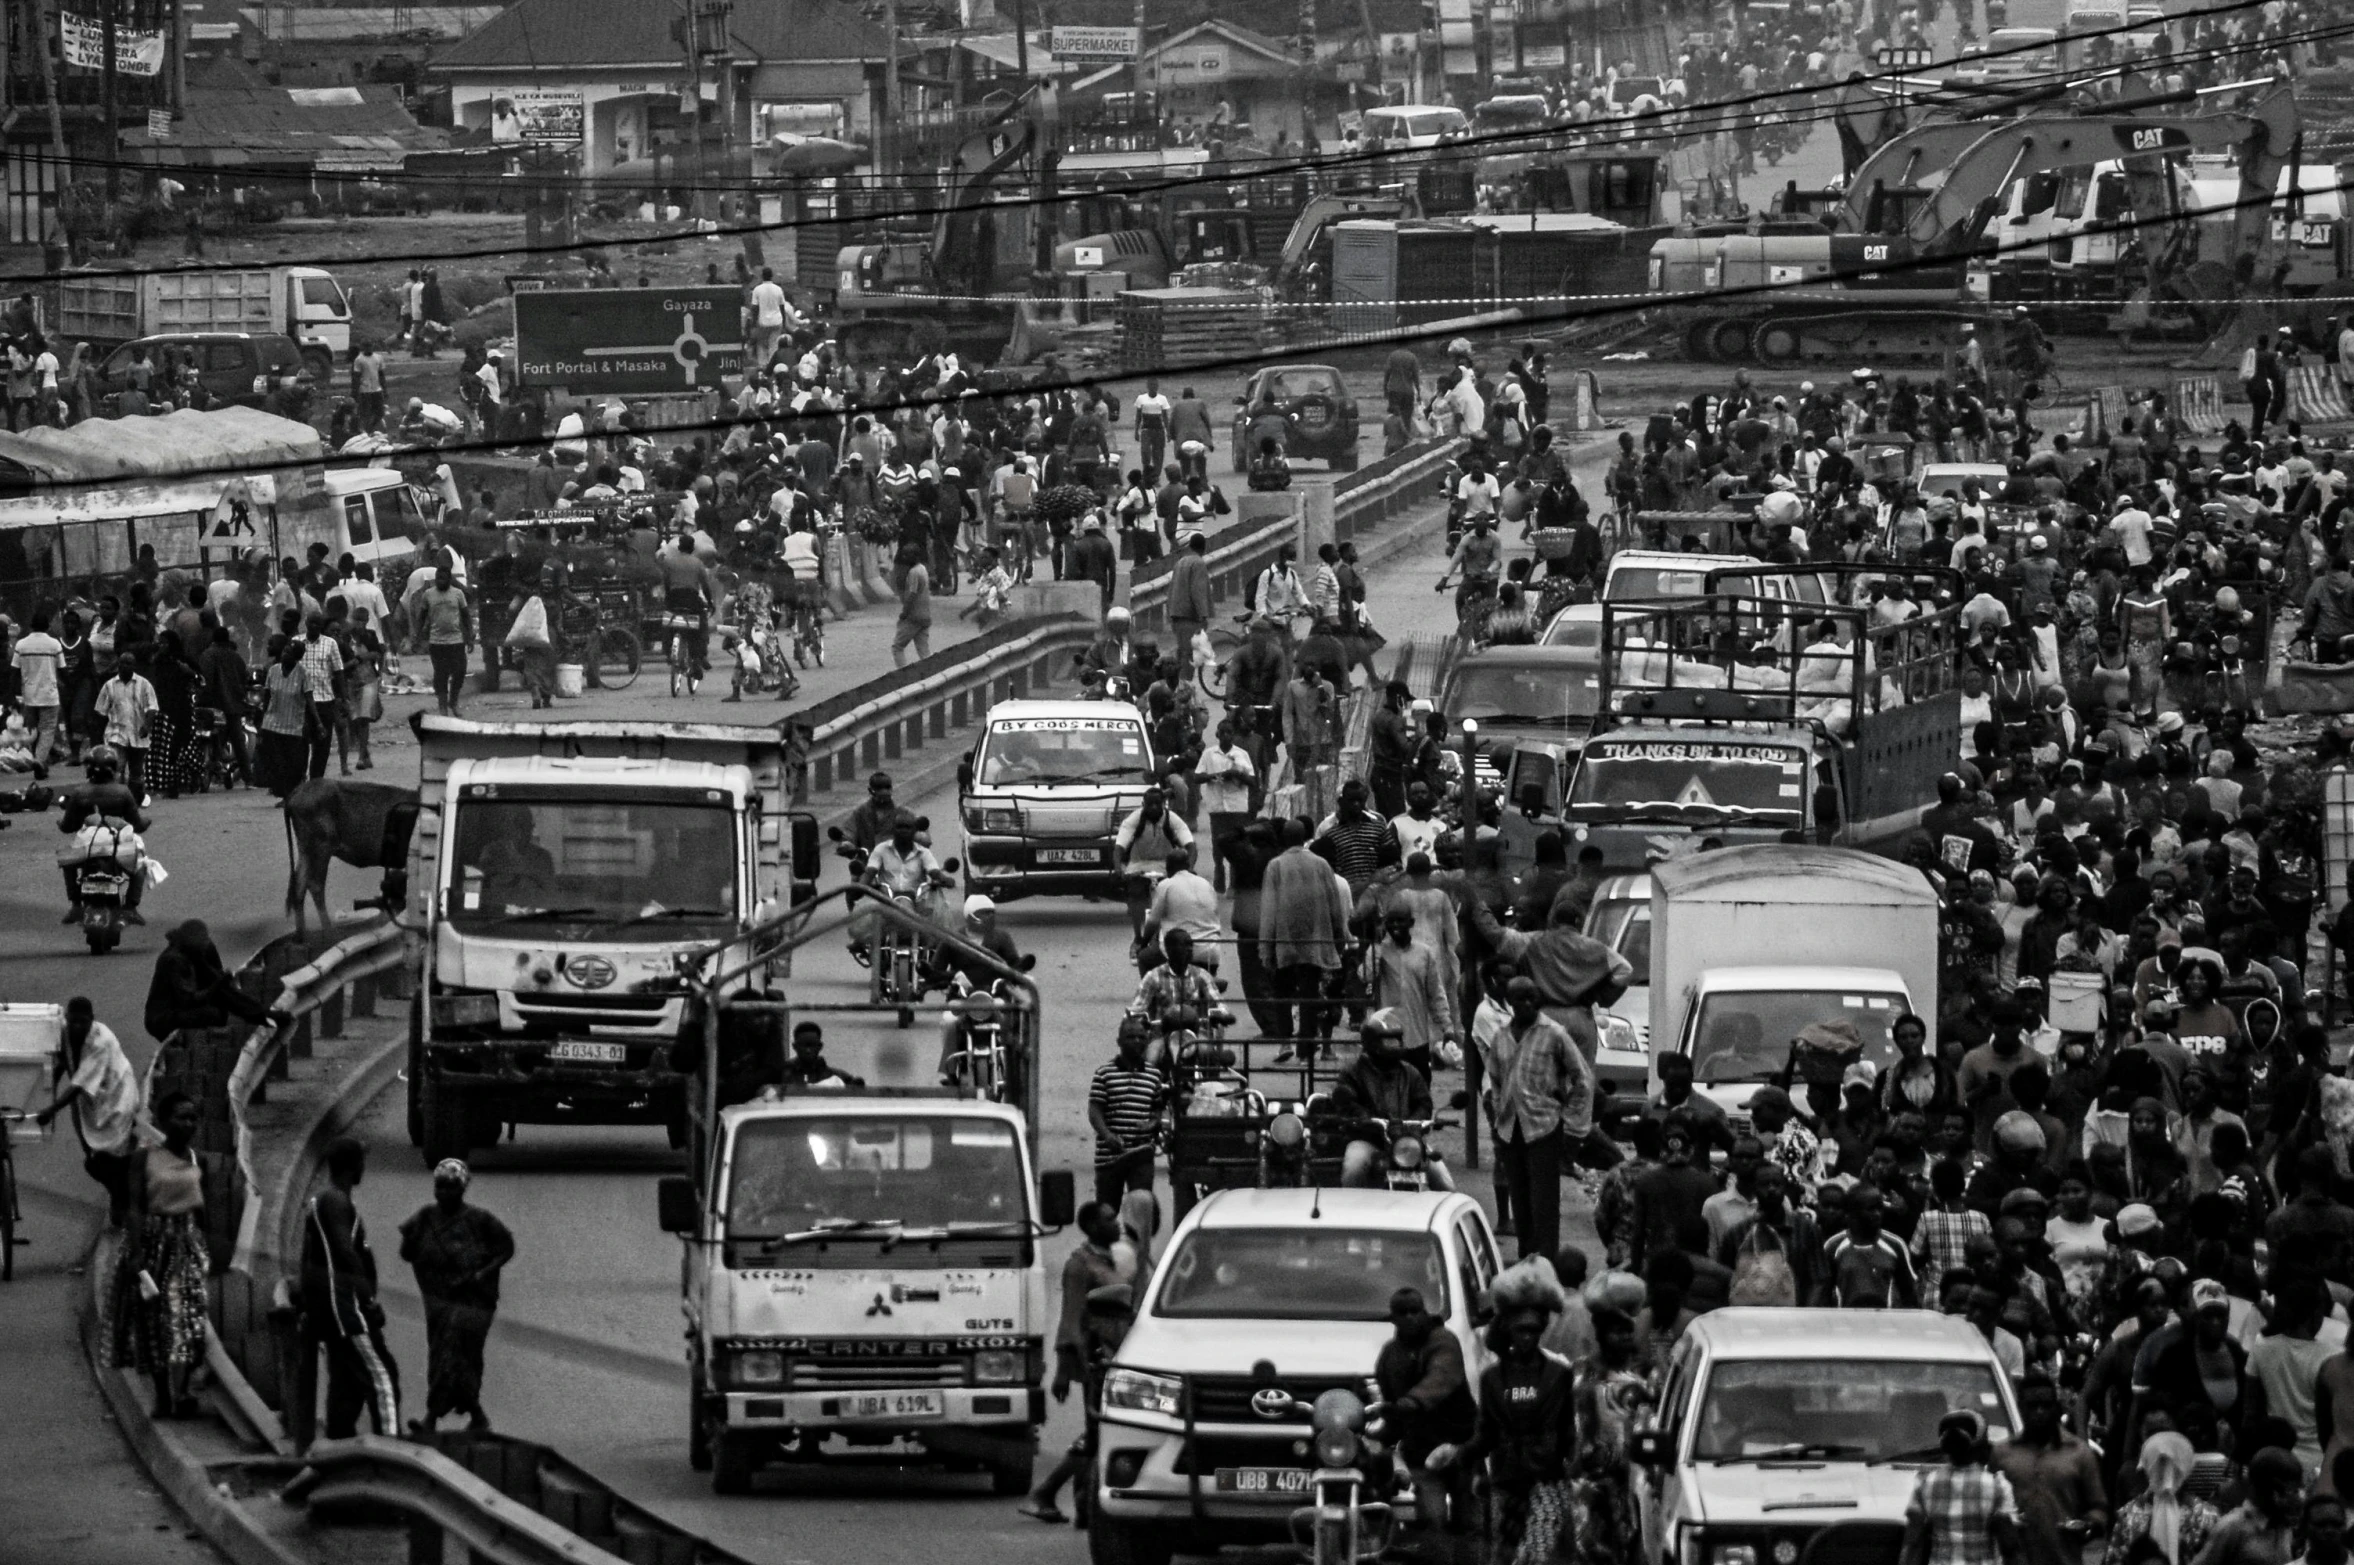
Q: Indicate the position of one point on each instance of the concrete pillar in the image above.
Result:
(1316, 520)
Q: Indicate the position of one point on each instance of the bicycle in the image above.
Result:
(10, 1213)
(809, 625)
(1225, 643)
(611, 654)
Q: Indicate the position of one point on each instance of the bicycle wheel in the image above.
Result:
(614, 659)
(678, 664)
(1224, 644)
(817, 641)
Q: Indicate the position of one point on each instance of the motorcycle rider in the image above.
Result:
(900, 867)
(688, 593)
(871, 822)
(1177, 984)
(1381, 1084)
(963, 975)
(101, 803)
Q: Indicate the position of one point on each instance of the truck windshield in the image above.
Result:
(858, 1176)
(1864, 1410)
(1299, 1274)
(1557, 693)
(1695, 780)
(1746, 1035)
(1034, 750)
(656, 866)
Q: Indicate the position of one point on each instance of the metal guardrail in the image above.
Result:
(507, 1502)
(1396, 482)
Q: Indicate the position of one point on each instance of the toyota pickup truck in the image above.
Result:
(1265, 1300)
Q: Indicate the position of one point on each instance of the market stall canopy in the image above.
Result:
(815, 155)
(106, 468)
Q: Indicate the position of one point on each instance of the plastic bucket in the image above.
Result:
(571, 680)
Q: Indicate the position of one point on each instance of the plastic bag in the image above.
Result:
(531, 625)
(156, 873)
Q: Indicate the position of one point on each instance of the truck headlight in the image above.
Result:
(994, 820)
(997, 1368)
(465, 1010)
(1733, 1554)
(1139, 1392)
(756, 1367)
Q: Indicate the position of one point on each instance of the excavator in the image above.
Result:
(1808, 293)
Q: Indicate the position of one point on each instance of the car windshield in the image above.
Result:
(660, 864)
(323, 291)
(1865, 1410)
(1634, 943)
(1562, 693)
(862, 1173)
(1574, 630)
(1299, 1274)
(1692, 778)
(1749, 1035)
(1034, 750)
(1286, 385)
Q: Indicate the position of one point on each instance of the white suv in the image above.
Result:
(1264, 1297)
(1776, 1424)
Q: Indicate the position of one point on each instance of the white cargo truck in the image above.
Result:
(1752, 945)
(565, 880)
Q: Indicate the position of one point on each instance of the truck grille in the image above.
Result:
(1278, 1448)
(1070, 820)
(1226, 1399)
(867, 1374)
(643, 1014)
(1858, 1542)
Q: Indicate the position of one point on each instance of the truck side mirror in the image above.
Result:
(805, 845)
(1648, 1448)
(1058, 1198)
(674, 1197)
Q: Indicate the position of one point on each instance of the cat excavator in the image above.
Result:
(1891, 277)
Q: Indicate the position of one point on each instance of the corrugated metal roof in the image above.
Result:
(161, 446)
(331, 24)
(574, 34)
(241, 124)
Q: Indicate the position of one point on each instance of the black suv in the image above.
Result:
(1319, 416)
(234, 366)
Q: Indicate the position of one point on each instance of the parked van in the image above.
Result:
(375, 515)
(1411, 127)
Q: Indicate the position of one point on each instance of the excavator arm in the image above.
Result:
(963, 235)
(1952, 219)
(1903, 162)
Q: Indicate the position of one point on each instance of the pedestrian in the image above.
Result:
(1427, 1402)
(457, 1251)
(1097, 1303)
(1527, 1424)
(1126, 1100)
(322, 673)
(1191, 600)
(1538, 1082)
(282, 744)
(2055, 1479)
(102, 1090)
(446, 616)
(126, 704)
(2162, 1520)
(192, 991)
(36, 656)
(1963, 1512)
(915, 615)
(340, 1312)
(158, 1297)
(1303, 929)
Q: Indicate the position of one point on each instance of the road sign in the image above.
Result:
(628, 339)
(1092, 43)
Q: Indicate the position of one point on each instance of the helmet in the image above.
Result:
(101, 756)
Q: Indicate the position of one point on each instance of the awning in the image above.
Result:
(114, 502)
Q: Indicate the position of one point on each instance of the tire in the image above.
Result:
(732, 1463)
(1698, 342)
(1113, 1542)
(698, 1431)
(677, 660)
(98, 941)
(1346, 461)
(1242, 462)
(7, 1215)
(1728, 341)
(615, 658)
(1012, 1477)
(447, 1125)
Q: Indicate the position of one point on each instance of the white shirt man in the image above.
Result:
(768, 305)
(2131, 525)
(1184, 900)
(1479, 493)
(1223, 776)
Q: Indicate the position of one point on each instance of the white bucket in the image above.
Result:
(571, 680)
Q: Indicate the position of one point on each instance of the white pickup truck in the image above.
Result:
(1264, 1300)
(867, 1270)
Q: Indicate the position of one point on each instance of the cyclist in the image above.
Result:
(687, 594)
(801, 552)
(1480, 557)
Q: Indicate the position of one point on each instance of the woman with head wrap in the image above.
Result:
(1611, 1392)
(2175, 1526)
(1527, 1431)
(457, 1251)
(2153, 1162)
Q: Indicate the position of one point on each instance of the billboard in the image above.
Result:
(83, 40)
(556, 115)
(628, 340)
(1092, 43)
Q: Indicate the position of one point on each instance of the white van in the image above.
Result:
(1641, 575)
(1411, 127)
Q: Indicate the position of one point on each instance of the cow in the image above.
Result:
(365, 824)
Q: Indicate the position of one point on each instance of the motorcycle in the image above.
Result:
(973, 1048)
(104, 887)
(1343, 1527)
(1405, 1161)
(900, 963)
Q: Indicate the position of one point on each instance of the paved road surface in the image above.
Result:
(588, 1353)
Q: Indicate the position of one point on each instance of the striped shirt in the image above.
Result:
(1941, 1241)
(322, 660)
(1130, 1099)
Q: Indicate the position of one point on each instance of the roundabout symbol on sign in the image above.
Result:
(688, 349)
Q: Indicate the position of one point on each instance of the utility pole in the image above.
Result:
(887, 143)
(1022, 45)
(114, 133)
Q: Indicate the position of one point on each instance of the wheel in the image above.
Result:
(97, 939)
(1346, 461)
(679, 676)
(1111, 1542)
(698, 1430)
(1242, 461)
(732, 1463)
(416, 1071)
(1013, 1475)
(1699, 340)
(614, 659)
(7, 1212)
(446, 1125)
(1775, 342)
(817, 642)
(1728, 342)
(320, 363)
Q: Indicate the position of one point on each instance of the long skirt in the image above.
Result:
(454, 1338)
(1534, 1521)
(167, 1331)
(281, 761)
(2146, 656)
